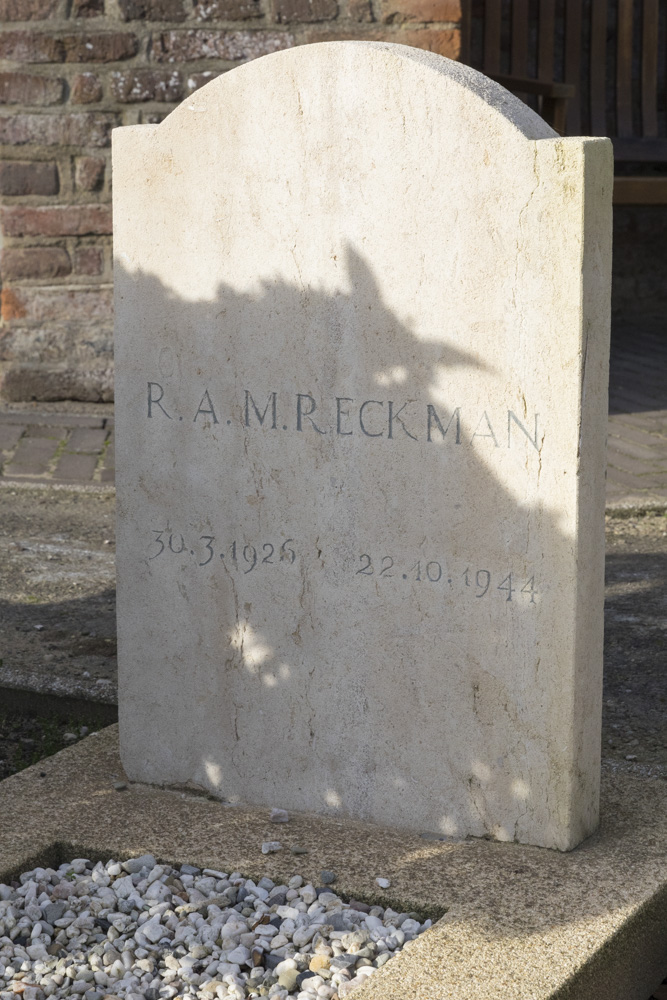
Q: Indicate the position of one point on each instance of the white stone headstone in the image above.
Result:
(362, 307)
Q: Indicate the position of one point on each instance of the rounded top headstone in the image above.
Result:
(361, 75)
(362, 299)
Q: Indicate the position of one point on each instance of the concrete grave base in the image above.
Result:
(519, 922)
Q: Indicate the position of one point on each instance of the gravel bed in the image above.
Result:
(144, 931)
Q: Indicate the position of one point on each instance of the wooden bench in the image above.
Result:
(589, 67)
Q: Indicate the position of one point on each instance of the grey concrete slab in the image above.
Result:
(516, 922)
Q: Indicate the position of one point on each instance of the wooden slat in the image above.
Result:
(641, 150)
(624, 69)
(492, 14)
(650, 69)
(525, 85)
(640, 191)
(573, 63)
(598, 53)
(545, 40)
(519, 56)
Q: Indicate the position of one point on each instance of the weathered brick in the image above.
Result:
(35, 304)
(56, 220)
(11, 306)
(89, 173)
(92, 382)
(146, 85)
(88, 260)
(79, 129)
(39, 47)
(19, 178)
(445, 42)
(34, 262)
(197, 80)
(87, 8)
(152, 10)
(85, 89)
(152, 117)
(400, 11)
(29, 46)
(24, 88)
(28, 10)
(360, 10)
(227, 10)
(179, 46)
(306, 10)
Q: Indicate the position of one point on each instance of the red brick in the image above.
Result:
(28, 10)
(227, 10)
(47, 305)
(400, 11)
(306, 10)
(38, 47)
(19, 178)
(85, 89)
(34, 262)
(152, 117)
(56, 220)
(338, 34)
(360, 10)
(197, 80)
(178, 46)
(89, 173)
(79, 129)
(146, 85)
(29, 46)
(152, 10)
(87, 8)
(88, 260)
(11, 306)
(23, 88)
(444, 42)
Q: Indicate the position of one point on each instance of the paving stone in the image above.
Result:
(45, 431)
(9, 436)
(87, 439)
(32, 457)
(75, 468)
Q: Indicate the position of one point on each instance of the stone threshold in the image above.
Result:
(519, 923)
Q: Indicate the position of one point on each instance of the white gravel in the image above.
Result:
(144, 931)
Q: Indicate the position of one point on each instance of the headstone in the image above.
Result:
(362, 300)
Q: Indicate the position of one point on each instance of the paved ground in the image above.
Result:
(57, 620)
(637, 449)
(74, 443)
(67, 444)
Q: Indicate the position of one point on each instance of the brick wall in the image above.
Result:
(70, 71)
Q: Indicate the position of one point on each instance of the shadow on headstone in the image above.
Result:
(360, 481)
